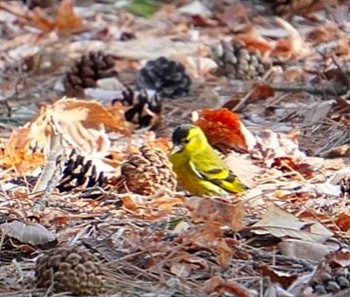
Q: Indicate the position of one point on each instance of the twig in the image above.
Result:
(329, 90)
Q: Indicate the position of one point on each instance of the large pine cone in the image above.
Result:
(288, 7)
(166, 77)
(87, 70)
(147, 172)
(79, 172)
(142, 108)
(236, 62)
(69, 269)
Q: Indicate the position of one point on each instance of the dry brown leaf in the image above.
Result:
(272, 145)
(282, 224)
(217, 212)
(218, 286)
(149, 207)
(81, 123)
(261, 91)
(252, 40)
(284, 279)
(300, 249)
(66, 20)
(339, 259)
(210, 236)
(32, 233)
(183, 264)
(293, 47)
(20, 151)
(343, 221)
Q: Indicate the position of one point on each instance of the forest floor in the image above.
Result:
(285, 131)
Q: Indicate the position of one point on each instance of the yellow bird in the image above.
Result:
(199, 169)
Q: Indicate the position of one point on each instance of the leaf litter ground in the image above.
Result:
(287, 236)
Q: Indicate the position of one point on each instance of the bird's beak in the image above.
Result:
(177, 148)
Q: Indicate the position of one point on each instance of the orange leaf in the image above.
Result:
(252, 40)
(343, 221)
(18, 152)
(216, 212)
(223, 127)
(66, 19)
(40, 21)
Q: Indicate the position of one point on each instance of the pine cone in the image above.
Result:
(142, 108)
(80, 173)
(166, 77)
(69, 269)
(332, 281)
(236, 62)
(147, 172)
(288, 7)
(39, 3)
(345, 186)
(87, 70)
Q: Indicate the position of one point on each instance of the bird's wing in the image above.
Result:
(218, 174)
(217, 170)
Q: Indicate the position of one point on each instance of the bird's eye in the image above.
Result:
(186, 141)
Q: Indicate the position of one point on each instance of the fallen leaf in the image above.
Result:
(339, 259)
(293, 47)
(282, 224)
(210, 236)
(217, 212)
(261, 91)
(32, 233)
(271, 145)
(343, 221)
(284, 279)
(287, 164)
(23, 151)
(223, 127)
(66, 20)
(218, 286)
(300, 249)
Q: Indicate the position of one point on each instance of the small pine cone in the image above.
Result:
(69, 269)
(345, 186)
(79, 172)
(236, 62)
(31, 4)
(142, 108)
(87, 70)
(166, 77)
(147, 172)
(288, 7)
(332, 281)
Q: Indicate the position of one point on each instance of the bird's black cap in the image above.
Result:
(180, 133)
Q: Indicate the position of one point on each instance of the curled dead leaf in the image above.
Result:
(223, 127)
(218, 286)
(32, 233)
(23, 151)
(216, 212)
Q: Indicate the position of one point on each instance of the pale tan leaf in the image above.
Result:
(32, 233)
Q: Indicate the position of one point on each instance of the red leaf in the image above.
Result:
(223, 127)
